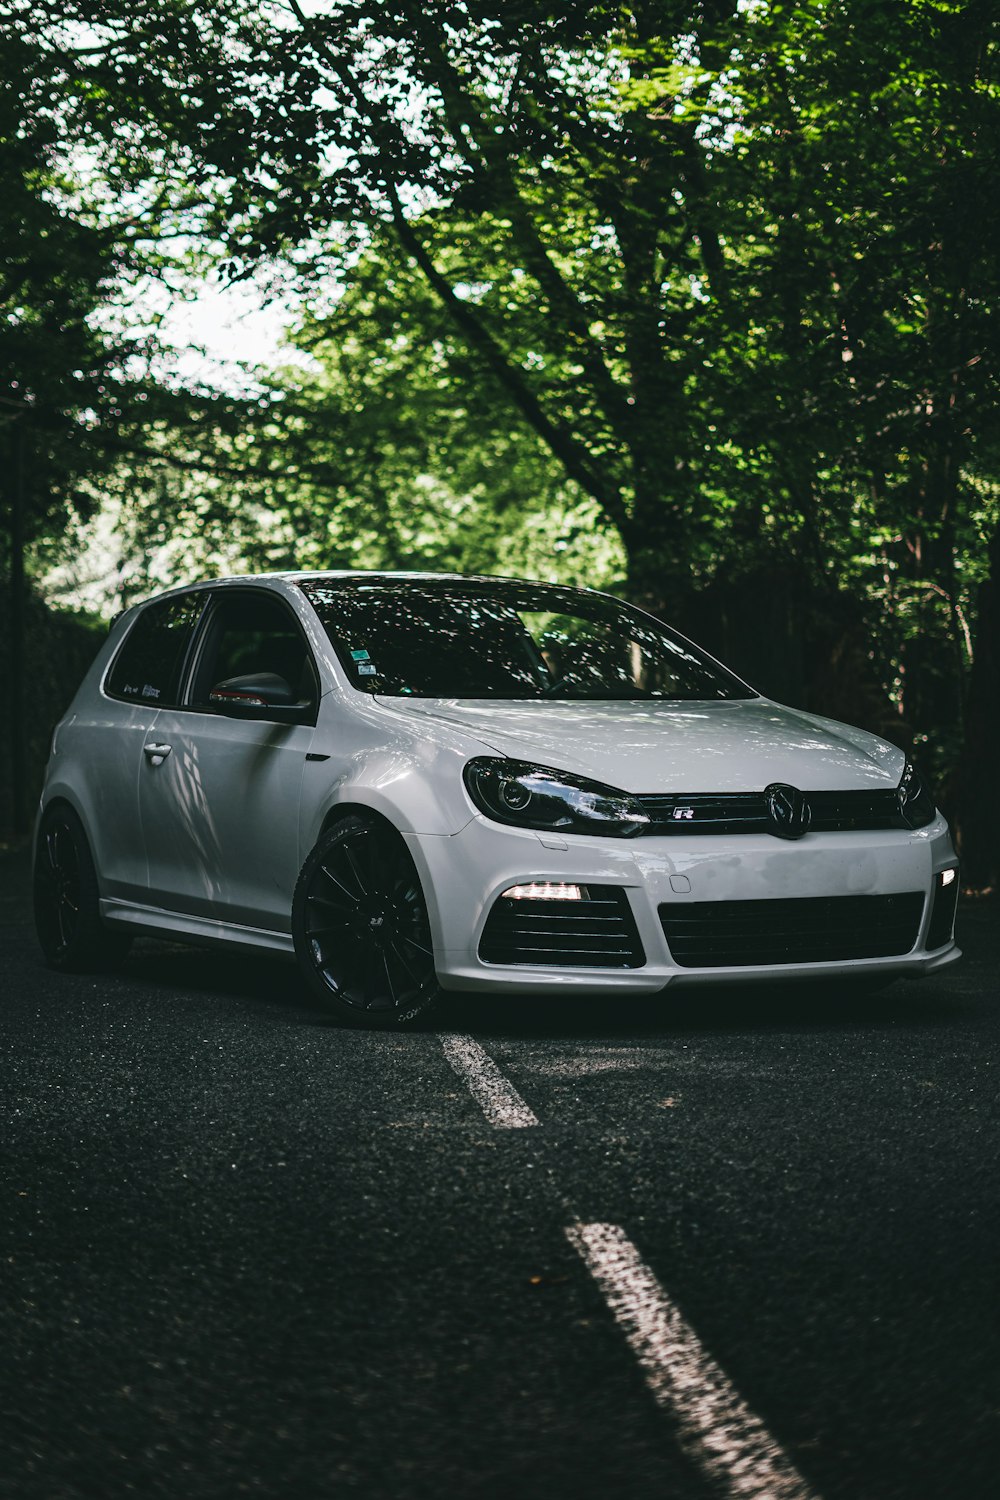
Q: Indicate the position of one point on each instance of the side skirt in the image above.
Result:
(199, 931)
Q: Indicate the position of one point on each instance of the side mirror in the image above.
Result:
(257, 695)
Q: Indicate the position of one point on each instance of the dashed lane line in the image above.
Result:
(715, 1427)
(496, 1096)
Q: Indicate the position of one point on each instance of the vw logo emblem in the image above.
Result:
(788, 812)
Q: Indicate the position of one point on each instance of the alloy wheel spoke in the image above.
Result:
(65, 927)
(412, 942)
(353, 864)
(322, 910)
(348, 896)
(370, 851)
(66, 857)
(326, 930)
(371, 965)
(402, 960)
(388, 975)
(379, 858)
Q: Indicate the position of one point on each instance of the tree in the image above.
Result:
(56, 370)
(623, 157)
(731, 264)
(432, 120)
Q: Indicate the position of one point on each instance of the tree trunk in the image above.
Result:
(658, 552)
(932, 657)
(18, 753)
(12, 710)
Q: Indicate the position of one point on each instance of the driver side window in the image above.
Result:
(251, 634)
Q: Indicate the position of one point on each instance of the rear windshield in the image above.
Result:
(444, 638)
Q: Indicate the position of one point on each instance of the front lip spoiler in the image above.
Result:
(653, 979)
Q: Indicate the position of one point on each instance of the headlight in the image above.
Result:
(513, 791)
(915, 801)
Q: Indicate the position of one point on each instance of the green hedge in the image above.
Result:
(59, 647)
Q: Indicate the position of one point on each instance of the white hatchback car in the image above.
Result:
(416, 782)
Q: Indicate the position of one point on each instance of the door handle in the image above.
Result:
(156, 754)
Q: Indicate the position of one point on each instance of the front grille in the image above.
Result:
(800, 930)
(746, 812)
(596, 933)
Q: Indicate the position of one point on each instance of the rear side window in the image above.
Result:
(148, 667)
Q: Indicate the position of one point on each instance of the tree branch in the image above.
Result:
(567, 448)
(200, 466)
(494, 162)
(570, 452)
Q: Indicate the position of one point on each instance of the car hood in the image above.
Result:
(650, 746)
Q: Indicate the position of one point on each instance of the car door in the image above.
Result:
(107, 738)
(219, 801)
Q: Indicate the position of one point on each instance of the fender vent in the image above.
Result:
(942, 924)
(596, 933)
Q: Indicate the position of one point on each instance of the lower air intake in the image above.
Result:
(597, 932)
(801, 930)
(942, 923)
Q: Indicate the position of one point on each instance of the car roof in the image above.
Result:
(390, 575)
(368, 575)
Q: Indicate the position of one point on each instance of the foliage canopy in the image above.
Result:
(718, 278)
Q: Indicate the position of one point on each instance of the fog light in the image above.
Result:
(946, 877)
(546, 890)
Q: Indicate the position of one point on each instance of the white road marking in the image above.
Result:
(715, 1427)
(499, 1100)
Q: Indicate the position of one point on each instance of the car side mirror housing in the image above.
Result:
(258, 695)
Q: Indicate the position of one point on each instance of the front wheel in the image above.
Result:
(359, 921)
(67, 901)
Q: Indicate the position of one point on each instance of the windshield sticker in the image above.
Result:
(150, 692)
(359, 655)
(366, 669)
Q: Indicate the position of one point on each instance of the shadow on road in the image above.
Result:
(744, 1008)
(958, 992)
(785, 1006)
(263, 981)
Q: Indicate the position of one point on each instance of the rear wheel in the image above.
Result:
(360, 927)
(67, 901)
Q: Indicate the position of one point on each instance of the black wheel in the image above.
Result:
(67, 911)
(360, 926)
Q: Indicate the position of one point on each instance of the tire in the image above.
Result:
(72, 935)
(359, 922)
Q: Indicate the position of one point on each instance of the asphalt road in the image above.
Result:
(245, 1252)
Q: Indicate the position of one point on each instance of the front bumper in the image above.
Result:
(463, 875)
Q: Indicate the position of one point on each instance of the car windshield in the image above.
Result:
(480, 638)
